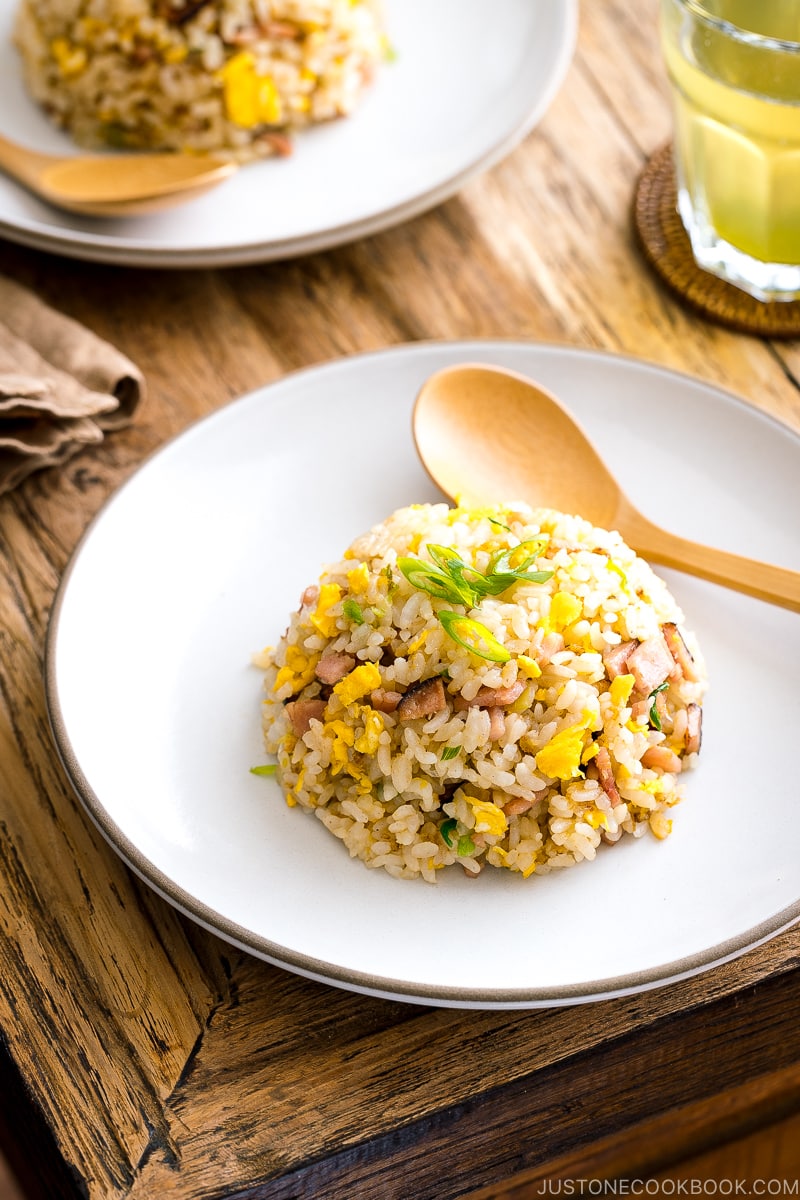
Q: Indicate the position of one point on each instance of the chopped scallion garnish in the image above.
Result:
(473, 636)
(447, 829)
(448, 577)
(511, 566)
(437, 583)
(450, 752)
(266, 769)
(655, 720)
(518, 558)
(466, 846)
(352, 610)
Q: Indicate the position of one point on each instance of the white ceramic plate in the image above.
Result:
(197, 561)
(462, 92)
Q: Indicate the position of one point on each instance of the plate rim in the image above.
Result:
(306, 965)
(114, 250)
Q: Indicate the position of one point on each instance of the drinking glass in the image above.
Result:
(734, 69)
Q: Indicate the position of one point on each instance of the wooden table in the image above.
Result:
(143, 1057)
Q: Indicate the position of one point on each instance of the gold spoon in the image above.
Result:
(487, 435)
(122, 185)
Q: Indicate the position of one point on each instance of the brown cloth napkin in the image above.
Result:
(61, 386)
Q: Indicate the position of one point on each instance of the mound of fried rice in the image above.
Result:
(234, 76)
(542, 717)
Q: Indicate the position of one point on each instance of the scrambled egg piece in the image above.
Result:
(589, 753)
(342, 737)
(621, 689)
(298, 669)
(329, 596)
(71, 59)
(250, 99)
(561, 757)
(357, 683)
(488, 817)
(528, 667)
(564, 610)
(374, 725)
(358, 579)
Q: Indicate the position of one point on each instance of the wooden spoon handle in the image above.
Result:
(776, 585)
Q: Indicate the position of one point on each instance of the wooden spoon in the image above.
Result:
(114, 185)
(486, 435)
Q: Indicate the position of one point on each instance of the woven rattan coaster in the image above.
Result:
(667, 248)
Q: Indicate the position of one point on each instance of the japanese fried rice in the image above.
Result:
(236, 76)
(510, 687)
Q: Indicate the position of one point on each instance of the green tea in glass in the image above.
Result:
(734, 67)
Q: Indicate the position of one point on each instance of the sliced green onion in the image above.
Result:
(352, 610)
(511, 566)
(428, 578)
(466, 579)
(499, 583)
(655, 720)
(518, 558)
(443, 555)
(466, 846)
(473, 636)
(447, 829)
(267, 769)
(454, 567)
(450, 752)
(499, 524)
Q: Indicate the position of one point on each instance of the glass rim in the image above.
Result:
(746, 36)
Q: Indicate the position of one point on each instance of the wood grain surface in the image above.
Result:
(142, 1057)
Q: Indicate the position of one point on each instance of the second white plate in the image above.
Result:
(462, 91)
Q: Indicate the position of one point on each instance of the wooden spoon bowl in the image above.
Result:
(112, 185)
(487, 435)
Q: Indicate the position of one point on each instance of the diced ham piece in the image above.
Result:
(279, 29)
(650, 664)
(309, 596)
(491, 697)
(605, 773)
(333, 666)
(552, 643)
(680, 651)
(661, 758)
(385, 701)
(497, 724)
(278, 143)
(422, 700)
(516, 806)
(616, 659)
(694, 728)
(302, 712)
